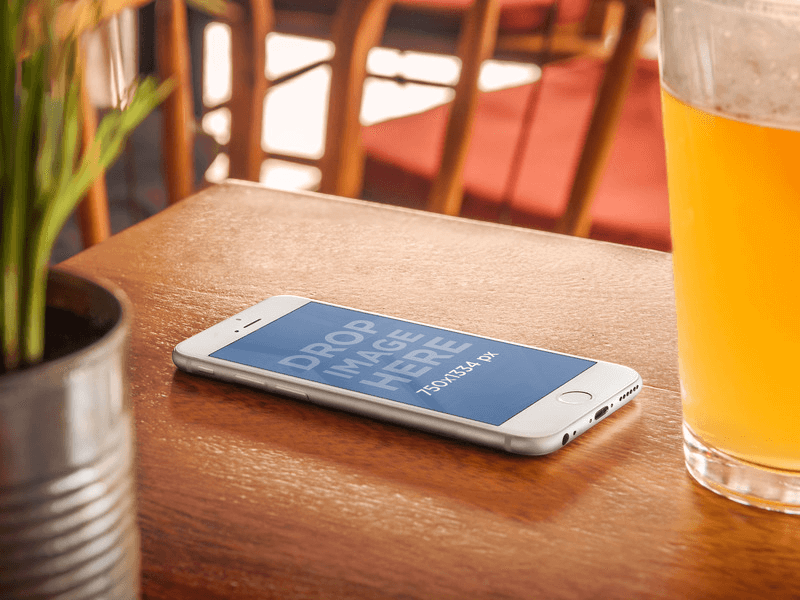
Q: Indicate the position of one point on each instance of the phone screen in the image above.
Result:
(454, 373)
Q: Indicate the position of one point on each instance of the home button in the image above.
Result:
(575, 397)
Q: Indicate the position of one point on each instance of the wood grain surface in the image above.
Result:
(247, 495)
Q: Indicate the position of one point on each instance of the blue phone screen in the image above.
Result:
(454, 373)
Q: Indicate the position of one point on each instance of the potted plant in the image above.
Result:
(67, 511)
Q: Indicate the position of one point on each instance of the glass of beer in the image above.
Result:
(730, 76)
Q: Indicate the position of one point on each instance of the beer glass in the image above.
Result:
(730, 76)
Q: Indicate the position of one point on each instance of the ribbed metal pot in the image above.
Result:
(67, 496)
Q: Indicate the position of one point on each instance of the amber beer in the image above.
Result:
(730, 75)
(735, 210)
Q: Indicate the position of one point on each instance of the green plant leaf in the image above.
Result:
(10, 12)
(112, 132)
(16, 205)
(7, 74)
(43, 176)
(47, 165)
(70, 136)
(109, 141)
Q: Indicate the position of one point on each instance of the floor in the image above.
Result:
(294, 119)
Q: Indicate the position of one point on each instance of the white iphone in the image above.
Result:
(517, 398)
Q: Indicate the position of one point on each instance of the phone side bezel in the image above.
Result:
(538, 429)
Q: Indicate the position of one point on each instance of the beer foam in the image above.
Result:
(737, 58)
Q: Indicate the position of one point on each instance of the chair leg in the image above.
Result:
(357, 27)
(248, 61)
(95, 224)
(576, 219)
(476, 44)
(172, 43)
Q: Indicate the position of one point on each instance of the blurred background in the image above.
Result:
(529, 126)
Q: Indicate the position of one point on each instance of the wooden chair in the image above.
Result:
(355, 27)
(93, 218)
(173, 60)
(529, 184)
(250, 23)
(178, 133)
(446, 191)
(605, 118)
(92, 213)
(583, 38)
(359, 24)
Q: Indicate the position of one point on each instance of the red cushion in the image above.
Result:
(631, 203)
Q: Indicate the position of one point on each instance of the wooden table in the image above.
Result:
(247, 495)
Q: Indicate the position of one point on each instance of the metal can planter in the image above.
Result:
(67, 482)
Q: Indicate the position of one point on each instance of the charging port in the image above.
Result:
(599, 414)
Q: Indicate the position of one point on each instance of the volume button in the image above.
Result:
(203, 370)
(248, 380)
(290, 392)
